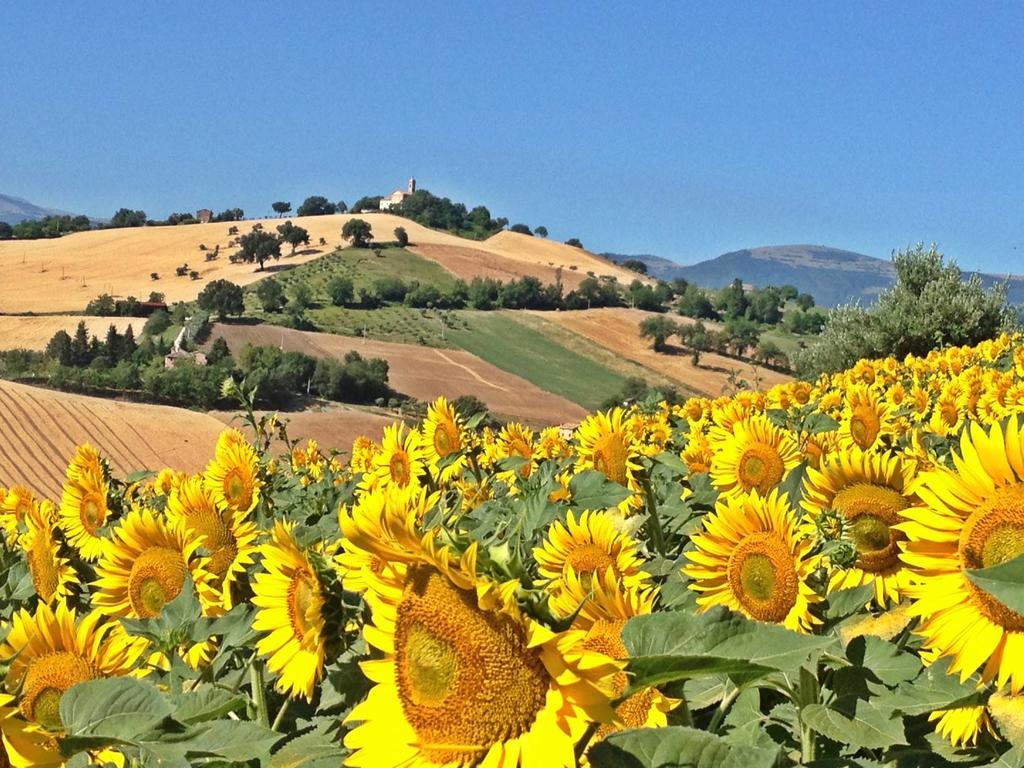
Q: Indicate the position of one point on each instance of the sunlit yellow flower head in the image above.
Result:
(445, 440)
(514, 441)
(961, 726)
(84, 512)
(233, 475)
(51, 650)
(464, 677)
(753, 455)
(363, 451)
(145, 566)
(973, 517)
(866, 421)
(869, 491)
(228, 538)
(752, 558)
(167, 480)
(589, 545)
(290, 598)
(16, 504)
(608, 442)
(53, 576)
(401, 461)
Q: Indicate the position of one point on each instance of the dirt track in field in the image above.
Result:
(422, 372)
(617, 329)
(35, 331)
(41, 428)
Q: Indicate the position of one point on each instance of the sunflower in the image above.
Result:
(869, 492)
(363, 451)
(607, 443)
(16, 503)
(753, 455)
(52, 574)
(53, 649)
(401, 461)
(866, 419)
(445, 440)
(589, 546)
(290, 598)
(22, 746)
(465, 677)
(605, 605)
(515, 441)
(87, 459)
(167, 480)
(228, 540)
(84, 511)
(145, 566)
(752, 558)
(973, 518)
(233, 475)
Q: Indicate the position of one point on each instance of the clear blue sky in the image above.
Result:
(684, 130)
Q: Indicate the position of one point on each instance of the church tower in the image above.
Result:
(412, 186)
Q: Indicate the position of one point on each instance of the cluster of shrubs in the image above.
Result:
(766, 306)
(106, 305)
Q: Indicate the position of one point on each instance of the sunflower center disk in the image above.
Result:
(93, 513)
(218, 541)
(994, 534)
(760, 468)
(864, 426)
(871, 511)
(399, 467)
(304, 608)
(610, 457)
(156, 578)
(763, 577)
(466, 678)
(43, 568)
(237, 490)
(446, 439)
(589, 558)
(45, 682)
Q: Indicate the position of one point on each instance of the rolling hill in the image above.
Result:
(63, 274)
(15, 209)
(833, 276)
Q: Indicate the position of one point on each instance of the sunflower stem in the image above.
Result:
(280, 714)
(259, 695)
(657, 534)
(723, 709)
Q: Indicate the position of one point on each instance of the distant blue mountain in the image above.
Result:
(15, 209)
(831, 275)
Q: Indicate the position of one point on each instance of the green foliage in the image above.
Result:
(271, 295)
(316, 205)
(931, 305)
(281, 207)
(522, 229)
(358, 232)
(341, 291)
(401, 237)
(658, 329)
(695, 303)
(574, 242)
(293, 235)
(635, 265)
(258, 246)
(223, 297)
(48, 226)
(125, 217)
(441, 213)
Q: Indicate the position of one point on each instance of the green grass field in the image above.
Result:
(512, 346)
(392, 322)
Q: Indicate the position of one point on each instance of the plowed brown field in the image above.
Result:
(63, 274)
(40, 430)
(333, 426)
(617, 329)
(35, 331)
(422, 372)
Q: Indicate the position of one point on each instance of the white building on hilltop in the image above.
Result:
(396, 197)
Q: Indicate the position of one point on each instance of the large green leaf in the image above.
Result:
(207, 703)
(1005, 582)
(591, 489)
(239, 740)
(675, 747)
(310, 750)
(883, 660)
(932, 689)
(650, 671)
(867, 726)
(716, 636)
(113, 710)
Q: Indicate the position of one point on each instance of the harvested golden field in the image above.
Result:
(41, 428)
(63, 274)
(421, 372)
(617, 329)
(35, 331)
(333, 426)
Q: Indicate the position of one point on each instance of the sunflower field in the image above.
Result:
(825, 573)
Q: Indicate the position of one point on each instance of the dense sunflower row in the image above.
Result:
(458, 596)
